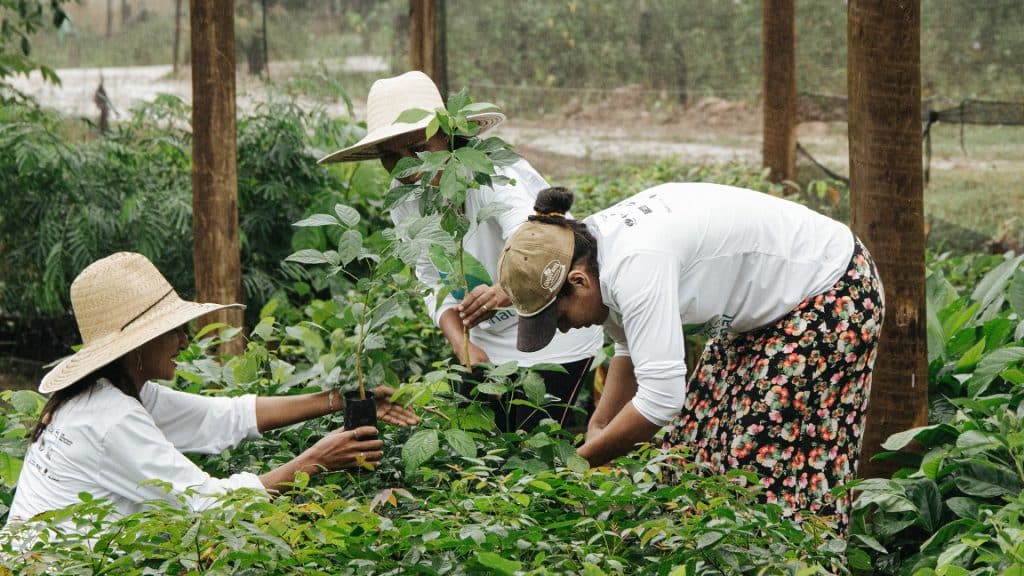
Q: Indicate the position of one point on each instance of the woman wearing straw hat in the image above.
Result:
(107, 428)
(485, 308)
(791, 300)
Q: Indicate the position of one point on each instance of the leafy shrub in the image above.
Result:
(69, 201)
(956, 507)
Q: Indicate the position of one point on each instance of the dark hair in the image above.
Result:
(113, 372)
(551, 206)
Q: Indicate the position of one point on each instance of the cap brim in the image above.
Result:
(367, 148)
(536, 332)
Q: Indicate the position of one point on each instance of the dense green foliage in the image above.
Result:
(69, 200)
(958, 507)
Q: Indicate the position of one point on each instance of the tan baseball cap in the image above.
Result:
(532, 268)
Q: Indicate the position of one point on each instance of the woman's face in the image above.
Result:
(407, 146)
(158, 356)
(582, 305)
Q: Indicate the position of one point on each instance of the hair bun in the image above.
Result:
(554, 202)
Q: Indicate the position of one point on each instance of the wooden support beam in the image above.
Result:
(887, 206)
(778, 36)
(215, 238)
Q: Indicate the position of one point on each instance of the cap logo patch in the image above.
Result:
(551, 276)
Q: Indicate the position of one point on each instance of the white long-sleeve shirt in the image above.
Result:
(106, 443)
(485, 241)
(709, 254)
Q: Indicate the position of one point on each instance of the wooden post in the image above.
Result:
(427, 42)
(778, 37)
(214, 172)
(177, 33)
(887, 206)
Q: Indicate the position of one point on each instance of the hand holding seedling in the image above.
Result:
(348, 449)
(393, 413)
(481, 303)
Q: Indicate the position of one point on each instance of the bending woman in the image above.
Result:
(107, 427)
(790, 299)
(484, 310)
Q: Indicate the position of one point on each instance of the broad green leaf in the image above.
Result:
(458, 101)
(28, 402)
(502, 370)
(491, 210)
(900, 440)
(498, 564)
(419, 448)
(317, 220)
(474, 159)
(461, 442)
(964, 507)
(990, 366)
(952, 554)
(246, 369)
(1015, 293)
(534, 388)
(10, 469)
(308, 256)
(924, 493)
(990, 291)
(709, 538)
(970, 358)
(988, 480)
(348, 215)
(350, 246)
(412, 116)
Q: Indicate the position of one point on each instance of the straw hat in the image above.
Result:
(120, 303)
(388, 98)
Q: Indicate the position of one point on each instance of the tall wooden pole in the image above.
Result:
(778, 35)
(177, 33)
(427, 45)
(887, 205)
(214, 173)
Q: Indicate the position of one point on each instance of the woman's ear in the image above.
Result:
(578, 278)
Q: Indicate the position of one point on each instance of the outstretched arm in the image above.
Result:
(339, 449)
(277, 411)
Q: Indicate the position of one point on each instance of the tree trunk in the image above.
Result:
(887, 206)
(110, 18)
(177, 33)
(427, 41)
(779, 40)
(214, 173)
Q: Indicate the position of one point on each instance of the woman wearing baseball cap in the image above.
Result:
(790, 299)
(107, 427)
(485, 309)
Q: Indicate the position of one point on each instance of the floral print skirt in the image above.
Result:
(787, 401)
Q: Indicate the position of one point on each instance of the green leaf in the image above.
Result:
(246, 369)
(964, 507)
(412, 116)
(491, 210)
(534, 388)
(461, 442)
(419, 448)
(350, 246)
(317, 220)
(990, 367)
(10, 469)
(27, 402)
(1015, 293)
(990, 291)
(348, 215)
(474, 159)
(502, 370)
(308, 256)
(970, 358)
(900, 440)
(987, 480)
(498, 564)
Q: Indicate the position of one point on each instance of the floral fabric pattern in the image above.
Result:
(788, 400)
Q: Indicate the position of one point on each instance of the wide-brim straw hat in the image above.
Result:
(120, 302)
(388, 98)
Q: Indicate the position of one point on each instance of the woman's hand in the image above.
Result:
(348, 449)
(392, 413)
(481, 303)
